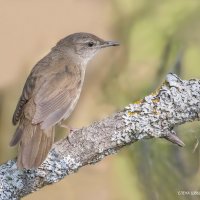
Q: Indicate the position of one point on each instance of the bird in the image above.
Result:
(50, 95)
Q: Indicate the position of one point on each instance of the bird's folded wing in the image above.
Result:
(26, 95)
(54, 98)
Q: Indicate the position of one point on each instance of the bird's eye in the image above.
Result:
(90, 44)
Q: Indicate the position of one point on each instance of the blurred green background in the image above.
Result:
(156, 37)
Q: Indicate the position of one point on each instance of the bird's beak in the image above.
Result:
(109, 43)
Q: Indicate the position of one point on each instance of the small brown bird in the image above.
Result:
(50, 95)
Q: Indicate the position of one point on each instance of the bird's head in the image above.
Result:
(83, 45)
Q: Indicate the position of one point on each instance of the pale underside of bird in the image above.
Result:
(50, 94)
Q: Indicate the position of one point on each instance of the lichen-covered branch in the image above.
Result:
(155, 116)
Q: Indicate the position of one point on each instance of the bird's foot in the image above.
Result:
(68, 139)
(70, 131)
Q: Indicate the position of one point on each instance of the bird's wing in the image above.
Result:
(37, 72)
(55, 98)
(26, 95)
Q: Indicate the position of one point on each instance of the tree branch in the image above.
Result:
(155, 116)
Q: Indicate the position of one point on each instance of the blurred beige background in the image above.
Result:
(154, 36)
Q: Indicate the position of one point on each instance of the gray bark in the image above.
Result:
(176, 102)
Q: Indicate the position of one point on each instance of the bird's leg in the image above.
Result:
(63, 125)
(66, 127)
(69, 128)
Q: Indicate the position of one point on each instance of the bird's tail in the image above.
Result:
(34, 144)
